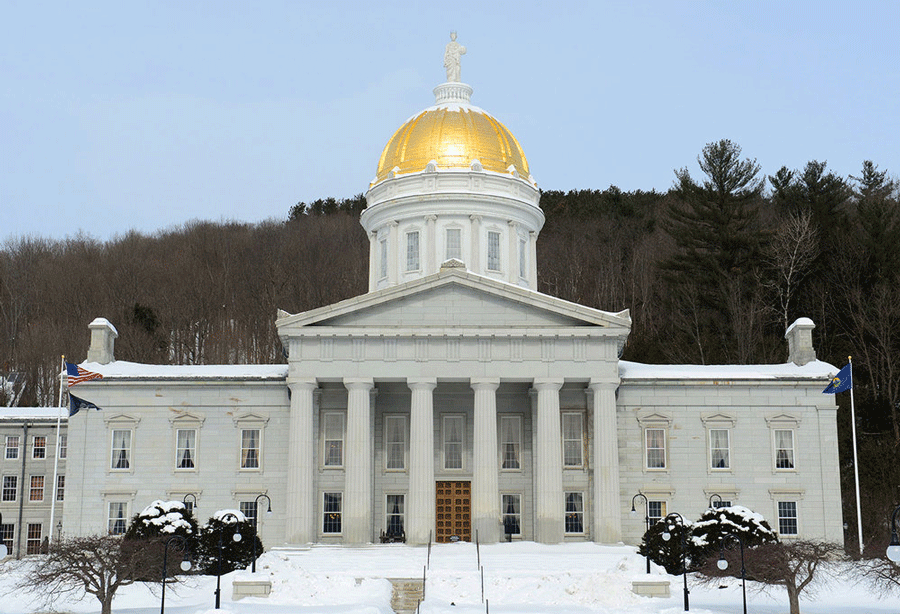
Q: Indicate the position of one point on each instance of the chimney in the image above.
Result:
(800, 345)
(103, 341)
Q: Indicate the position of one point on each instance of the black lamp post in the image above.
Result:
(182, 545)
(3, 549)
(646, 518)
(255, 524)
(193, 503)
(723, 564)
(236, 537)
(667, 536)
(711, 503)
(893, 551)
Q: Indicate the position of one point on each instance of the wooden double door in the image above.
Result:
(453, 507)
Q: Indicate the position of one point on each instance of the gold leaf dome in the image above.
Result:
(453, 134)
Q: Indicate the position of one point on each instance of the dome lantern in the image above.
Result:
(452, 183)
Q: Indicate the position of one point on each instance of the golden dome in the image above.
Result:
(453, 134)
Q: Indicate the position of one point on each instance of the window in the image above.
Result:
(719, 449)
(384, 259)
(7, 533)
(60, 487)
(573, 441)
(656, 511)
(36, 493)
(511, 442)
(63, 446)
(574, 512)
(656, 448)
(249, 448)
(784, 449)
(522, 270)
(493, 253)
(412, 251)
(331, 521)
(185, 448)
(12, 447)
(453, 442)
(33, 543)
(333, 425)
(511, 508)
(248, 509)
(10, 487)
(121, 449)
(787, 518)
(394, 514)
(39, 447)
(454, 243)
(117, 516)
(395, 442)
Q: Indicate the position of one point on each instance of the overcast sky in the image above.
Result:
(145, 115)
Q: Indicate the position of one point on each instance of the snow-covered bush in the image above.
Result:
(667, 553)
(221, 529)
(715, 526)
(163, 519)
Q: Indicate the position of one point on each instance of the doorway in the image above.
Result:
(453, 507)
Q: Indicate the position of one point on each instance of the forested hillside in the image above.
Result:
(713, 271)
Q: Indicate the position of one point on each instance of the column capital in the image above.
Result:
(359, 383)
(484, 383)
(547, 383)
(302, 383)
(421, 383)
(596, 385)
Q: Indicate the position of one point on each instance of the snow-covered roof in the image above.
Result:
(815, 370)
(121, 369)
(33, 413)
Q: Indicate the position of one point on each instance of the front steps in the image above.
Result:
(406, 593)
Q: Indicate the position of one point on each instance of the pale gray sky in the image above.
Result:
(144, 115)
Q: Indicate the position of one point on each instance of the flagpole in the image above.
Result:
(63, 376)
(855, 461)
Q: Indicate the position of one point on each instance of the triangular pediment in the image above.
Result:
(455, 299)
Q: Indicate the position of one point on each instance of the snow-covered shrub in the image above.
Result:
(221, 529)
(667, 553)
(715, 526)
(163, 519)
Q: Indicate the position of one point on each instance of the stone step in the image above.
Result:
(406, 593)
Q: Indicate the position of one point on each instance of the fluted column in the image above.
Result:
(548, 493)
(431, 245)
(300, 504)
(475, 245)
(357, 509)
(607, 506)
(485, 473)
(420, 514)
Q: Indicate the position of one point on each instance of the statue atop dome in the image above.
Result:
(453, 52)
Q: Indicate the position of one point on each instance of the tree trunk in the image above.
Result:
(106, 605)
(793, 599)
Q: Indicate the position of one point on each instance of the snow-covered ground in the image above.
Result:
(519, 578)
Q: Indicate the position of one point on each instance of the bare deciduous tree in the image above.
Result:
(98, 565)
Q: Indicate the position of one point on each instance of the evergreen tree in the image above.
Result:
(716, 230)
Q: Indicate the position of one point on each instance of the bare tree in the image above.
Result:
(795, 565)
(789, 257)
(96, 564)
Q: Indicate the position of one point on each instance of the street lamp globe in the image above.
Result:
(722, 564)
(185, 565)
(666, 536)
(236, 537)
(893, 551)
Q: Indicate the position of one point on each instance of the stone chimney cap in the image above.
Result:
(104, 323)
(799, 322)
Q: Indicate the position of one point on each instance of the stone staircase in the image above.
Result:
(406, 593)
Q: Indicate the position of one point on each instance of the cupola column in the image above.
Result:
(512, 256)
(430, 247)
(475, 244)
(421, 506)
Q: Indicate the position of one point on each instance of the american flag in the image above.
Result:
(76, 374)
